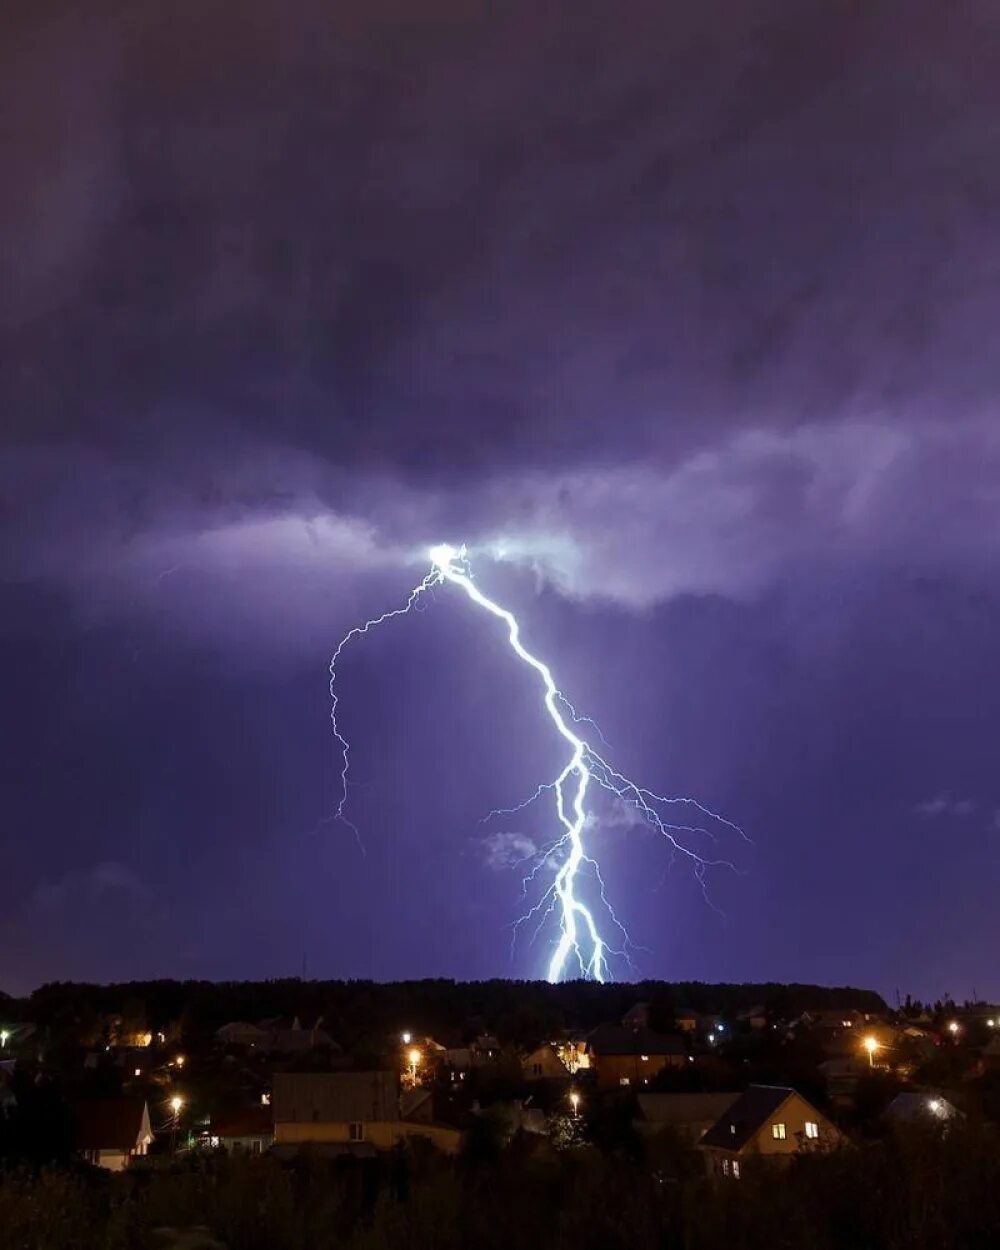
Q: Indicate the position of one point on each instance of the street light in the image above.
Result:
(414, 1058)
(574, 1102)
(407, 1038)
(3, 1038)
(871, 1045)
(176, 1103)
(954, 1027)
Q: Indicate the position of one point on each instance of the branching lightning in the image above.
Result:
(580, 947)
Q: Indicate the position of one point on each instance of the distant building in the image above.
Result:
(690, 1116)
(632, 1057)
(637, 1016)
(112, 1132)
(766, 1121)
(248, 1130)
(352, 1109)
(686, 1019)
(754, 1017)
(276, 1036)
(544, 1064)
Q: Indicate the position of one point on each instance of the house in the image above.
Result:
(990, 1055)
(686, 1019)
(351, 1109)
(841, 1075)
(754, 1017)
(637, 1016)
(241, 1033)
(632, 1057)
(111, 1132)
(769, 1121)
(689, 1116)
(544, 1064)
(292, 1039)
(248, 1129)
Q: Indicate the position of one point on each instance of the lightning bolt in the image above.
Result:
(580, 945)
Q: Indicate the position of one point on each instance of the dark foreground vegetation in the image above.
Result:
(915, 1191)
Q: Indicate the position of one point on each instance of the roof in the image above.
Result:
(244, 1122)
(613, 1039)
(110, 1123)
(746, 1117)
(334, 1097)
(684, 1109)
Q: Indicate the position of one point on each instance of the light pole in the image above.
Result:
(414, 1058)
(176, 1104)
(871, 1045)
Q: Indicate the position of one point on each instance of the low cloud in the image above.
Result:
(945, 805)
(504, 850)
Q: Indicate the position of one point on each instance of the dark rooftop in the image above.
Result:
(748, 1114)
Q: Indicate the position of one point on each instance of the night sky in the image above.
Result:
(693, 309)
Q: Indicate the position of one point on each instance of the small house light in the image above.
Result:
(407, 1038)
(644, 1058)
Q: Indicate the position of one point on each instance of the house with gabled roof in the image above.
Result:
(687, 1115)
(632, 1057)
(770, 1121)
(111, 1132)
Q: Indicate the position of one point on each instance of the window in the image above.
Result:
(778, 1132)
(725, 1167)
(624, 1081)
(736, 1169)
(536, 1069)
(812, 1129)
(732, 1129)
(356, 1131)
(255, 1146)
(644, 1058)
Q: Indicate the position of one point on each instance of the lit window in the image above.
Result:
(778, 1132)
(356, 1131)
(255, 1146)
(725, 1167)
(732, 1129)
(624, 1081)
(736, 1169)
(812, 1129)
(644, 1058)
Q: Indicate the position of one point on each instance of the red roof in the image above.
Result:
(244, 1122)
(109, 1124)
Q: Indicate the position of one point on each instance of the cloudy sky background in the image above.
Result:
(687, 321)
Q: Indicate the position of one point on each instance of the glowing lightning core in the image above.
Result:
(578, 932)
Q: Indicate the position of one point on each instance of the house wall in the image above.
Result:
(382, 1134)
(612, 1068)
(550, 1065)
(793, 1114)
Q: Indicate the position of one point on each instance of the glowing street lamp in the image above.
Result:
(871, 1045)
(4, 1035)
(407, 1038)
(176, 1104)
(574, 1102)
(179, 1061)
(954, 1028)
(414, 1058)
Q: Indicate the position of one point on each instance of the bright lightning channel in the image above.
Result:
(580, 944)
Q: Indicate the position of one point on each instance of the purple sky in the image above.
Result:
(692, 311)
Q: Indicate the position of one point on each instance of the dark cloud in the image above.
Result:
(686, 320)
